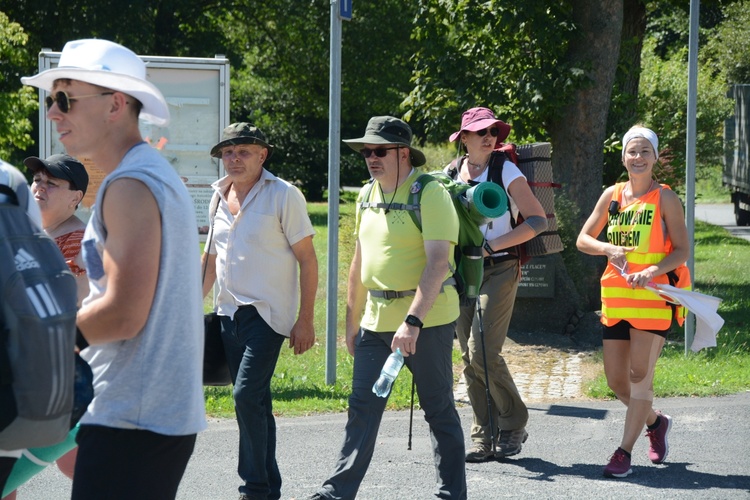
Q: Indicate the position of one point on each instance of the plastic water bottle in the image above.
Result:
(388, 374)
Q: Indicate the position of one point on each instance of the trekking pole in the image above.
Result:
(486, 376)
(411, 412)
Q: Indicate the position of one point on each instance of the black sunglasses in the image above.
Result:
(483, 132)
(64, 101)
(379, 152)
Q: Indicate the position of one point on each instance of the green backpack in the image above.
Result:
(486, 200)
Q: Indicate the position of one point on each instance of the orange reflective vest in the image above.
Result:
(640, 225)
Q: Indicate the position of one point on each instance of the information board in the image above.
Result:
(537, 279)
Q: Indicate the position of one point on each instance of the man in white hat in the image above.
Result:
(142, 319)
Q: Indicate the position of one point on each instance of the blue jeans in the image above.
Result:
(432, 369)
(252, 349)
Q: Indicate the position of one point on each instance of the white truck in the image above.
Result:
(736, 174)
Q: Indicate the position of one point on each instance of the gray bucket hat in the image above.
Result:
(388, 130)
(241, 133)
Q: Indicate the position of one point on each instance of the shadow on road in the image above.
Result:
(670, 476)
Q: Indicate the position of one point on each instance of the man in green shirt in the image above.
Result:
(400, 296)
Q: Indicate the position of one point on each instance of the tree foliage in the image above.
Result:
(425, 60)
(16, 102)
(729, 48)
(280, 55)
(494, 54)
(663, 106)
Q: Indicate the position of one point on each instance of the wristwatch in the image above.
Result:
(488, 248)
(413, 321)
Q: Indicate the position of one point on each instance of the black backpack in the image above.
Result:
(37, 333)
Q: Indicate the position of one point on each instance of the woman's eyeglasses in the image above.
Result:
(379, 152)
(64, 101)
(481, 133)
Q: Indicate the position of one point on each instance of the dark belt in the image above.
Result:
(394, 294)
(492, 260)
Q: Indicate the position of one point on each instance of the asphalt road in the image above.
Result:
(570, 441)
(722, 215)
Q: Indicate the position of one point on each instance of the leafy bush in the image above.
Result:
(663, 107)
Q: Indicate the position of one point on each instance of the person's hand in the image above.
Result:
(405, 339)
(616, 256)
(351, 339)
(302, 336)
(639, 279)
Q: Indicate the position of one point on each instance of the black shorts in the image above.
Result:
(125, 464)
(621, 331)
(6, 467)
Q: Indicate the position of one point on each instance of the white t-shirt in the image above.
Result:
(255, 264)
(500, 225)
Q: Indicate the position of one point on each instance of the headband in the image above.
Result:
(645, 133)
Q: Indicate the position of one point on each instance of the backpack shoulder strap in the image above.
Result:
(366, 193)
(495, 167)
(213, 207)
(414, 204)
(10, 195)
(452, 169)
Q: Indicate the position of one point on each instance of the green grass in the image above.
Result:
(721, 262)
(708, 186)
(299, 386)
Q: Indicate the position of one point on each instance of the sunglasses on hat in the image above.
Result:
(379, 152)
(493, 132)
(64, 101)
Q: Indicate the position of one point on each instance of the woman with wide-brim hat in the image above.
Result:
(499, 425)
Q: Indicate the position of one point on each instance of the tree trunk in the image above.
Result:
(623, 110)
(629, 73)
(578, 136)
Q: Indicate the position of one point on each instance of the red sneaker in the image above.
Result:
(619, 465)
(659, 446)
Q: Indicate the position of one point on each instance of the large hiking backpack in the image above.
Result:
(37, 333)
(469, 269)
(534, 162)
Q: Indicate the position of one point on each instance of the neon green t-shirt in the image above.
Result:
(393, 256)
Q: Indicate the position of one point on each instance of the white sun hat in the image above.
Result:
(109, 65)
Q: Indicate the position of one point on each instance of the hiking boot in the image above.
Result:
(479, 452)
(658, 444)
(509, 443)
(619, 465)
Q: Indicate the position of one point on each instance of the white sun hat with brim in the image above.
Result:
(110, 65)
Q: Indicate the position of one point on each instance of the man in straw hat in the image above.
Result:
(142, 317)
(260, 253)
(399, 298)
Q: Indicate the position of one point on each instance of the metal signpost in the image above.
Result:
(690, 155)
(340, 10)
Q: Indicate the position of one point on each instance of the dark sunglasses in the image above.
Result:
(379, 152)
(64, 101)
(483, 132)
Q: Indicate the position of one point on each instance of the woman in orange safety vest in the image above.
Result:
(646, 242)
